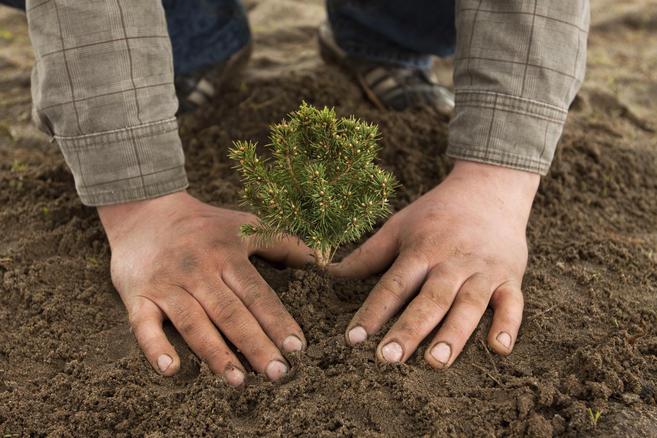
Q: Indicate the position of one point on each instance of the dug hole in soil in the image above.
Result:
(69, 365)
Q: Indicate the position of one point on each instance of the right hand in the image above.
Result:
(175, 257)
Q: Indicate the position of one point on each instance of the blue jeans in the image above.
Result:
(204, 32)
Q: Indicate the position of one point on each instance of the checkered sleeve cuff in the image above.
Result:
(126, 165)
(517, 68)
(508, 131)
(102, 87)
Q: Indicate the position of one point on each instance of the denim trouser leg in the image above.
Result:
(404, 33)
(203, 32)
(20, 4)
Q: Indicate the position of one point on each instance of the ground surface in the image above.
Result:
(69, 365)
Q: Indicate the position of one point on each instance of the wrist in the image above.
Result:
(508, 187)
(119, 218)
(520, 182)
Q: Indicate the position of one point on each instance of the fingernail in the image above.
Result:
(292, 343)
(357, 334)
(441, 352)
(234, 376)
(275, 370)
(163, 362)
(392, 352)
(504, 339)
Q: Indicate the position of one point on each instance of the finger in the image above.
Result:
(289, 251)
(421, 316)
(508, 303)
(371, 257)
(391, 292)
(261, 300)
(469, 305)
(238, 324)
(146, 322)
(191, 321)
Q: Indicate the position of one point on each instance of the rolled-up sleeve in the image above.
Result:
(518, 66)
(102, 87)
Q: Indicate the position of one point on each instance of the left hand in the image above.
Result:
(463, 246)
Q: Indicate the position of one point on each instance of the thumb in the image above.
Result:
(288, 250)
(371, 257)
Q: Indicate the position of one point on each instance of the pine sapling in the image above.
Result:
(320, 182)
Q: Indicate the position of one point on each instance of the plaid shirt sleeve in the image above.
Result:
(102, 87)
(518, 66)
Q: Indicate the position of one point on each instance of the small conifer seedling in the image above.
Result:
(320, 183)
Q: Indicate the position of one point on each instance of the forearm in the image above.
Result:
(518, 67)
(102, 87)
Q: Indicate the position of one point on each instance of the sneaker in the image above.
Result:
(388, 85)
(200, 87)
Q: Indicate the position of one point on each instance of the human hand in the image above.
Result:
(463, 246)
(175, 257)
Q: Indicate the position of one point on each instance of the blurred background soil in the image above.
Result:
(69, 365)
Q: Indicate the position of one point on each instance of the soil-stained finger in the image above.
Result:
(371, 257)
(462, 319)
(263, 302)
(146, 322)
(421, 316)
(507, 303)
(290, 251)
(242, 329)
(193, 324)
(391, 292)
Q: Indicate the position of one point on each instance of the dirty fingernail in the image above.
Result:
(504, 339)
(357, 334)
(163, 362)
(275, 370)
(392, 352)
(292, 343)
(441, 352)
(234, 376)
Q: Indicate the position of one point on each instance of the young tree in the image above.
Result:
(320, 183)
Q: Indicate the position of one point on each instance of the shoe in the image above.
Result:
(199, 87)
(388, 85)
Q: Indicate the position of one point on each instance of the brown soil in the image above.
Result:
(69, 365)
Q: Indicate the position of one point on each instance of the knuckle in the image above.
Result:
(186, 322)
(438, 299)
(392, 286)
(138, 313)
(507, 294)
(394, 283)
(252, 287)
(473, 296)
(269, 303)
(227, 313)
